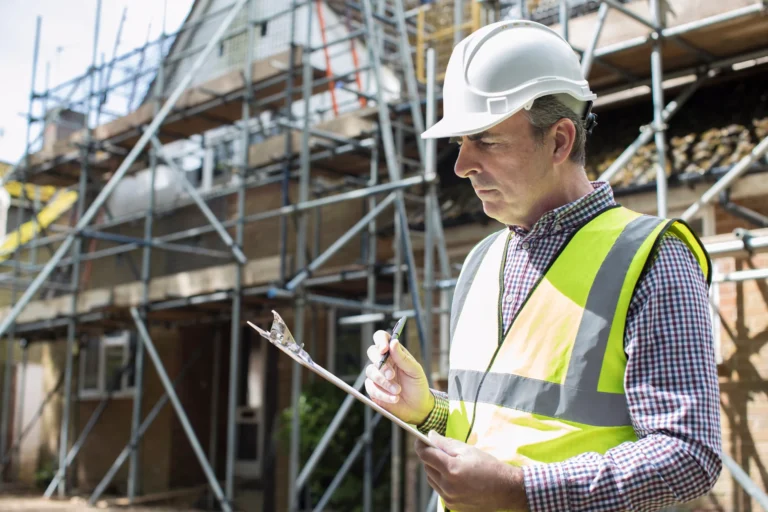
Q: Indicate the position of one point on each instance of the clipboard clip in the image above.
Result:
(279, 334)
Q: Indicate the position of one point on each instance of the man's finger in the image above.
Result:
(447, 444)
(376, 393)
(377, 376)
(433, 457)
(374, 355)
(434, 481)
(381, 340)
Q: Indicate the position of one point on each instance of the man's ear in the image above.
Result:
(564, 132)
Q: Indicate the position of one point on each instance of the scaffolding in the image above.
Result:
(264, 111)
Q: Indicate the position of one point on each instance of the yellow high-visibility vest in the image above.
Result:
(552, 386)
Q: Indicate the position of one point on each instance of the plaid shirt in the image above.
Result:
(670, 381)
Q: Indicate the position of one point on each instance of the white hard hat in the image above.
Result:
(501, 68)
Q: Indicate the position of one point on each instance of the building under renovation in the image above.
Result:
(266, 156)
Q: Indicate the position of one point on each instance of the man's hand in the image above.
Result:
(469, 479)
(400, 386)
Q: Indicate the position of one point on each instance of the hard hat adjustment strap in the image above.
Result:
(590, 119)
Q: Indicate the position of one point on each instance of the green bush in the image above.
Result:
(44, 475)
(318, 404)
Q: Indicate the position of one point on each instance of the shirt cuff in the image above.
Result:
(546, 487)
(438, 416)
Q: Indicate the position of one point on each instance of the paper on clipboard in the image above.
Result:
(281, 337)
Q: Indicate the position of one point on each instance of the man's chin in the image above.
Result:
(492, 209)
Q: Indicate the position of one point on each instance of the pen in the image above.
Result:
(396, 331)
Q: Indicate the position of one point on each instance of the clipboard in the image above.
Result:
(281, 337)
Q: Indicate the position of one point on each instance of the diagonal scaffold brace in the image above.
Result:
(86, 219)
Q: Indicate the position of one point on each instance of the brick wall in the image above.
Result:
(743, 373)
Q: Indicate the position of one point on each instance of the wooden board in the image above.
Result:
(181, 285)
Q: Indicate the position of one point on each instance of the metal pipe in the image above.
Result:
(751, 244)
(214, 437)
(183, 419)
(740, 275)
(737, 170)
(458, 21)
(328, 434)
(75, 273)
(344, 467)
(137, 435)
(564, 15)
(589, 53)
(646, 134)
(7, 456)
(410, 78)
(659, 131)
(339, 243)
(120, 172)
(237, 297)
(282, 211)
(193, 193)
(288, 143)
(301, 257)
(393, 169)
(5, 414)
(367, 330)
(742, 12)
(146, 244)
(746, 483)
(742, 212)
(77, 446)
(430, 176)
(134, 476)
(653, 25)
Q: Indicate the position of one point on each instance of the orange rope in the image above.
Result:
(363, 101)
(328, 71)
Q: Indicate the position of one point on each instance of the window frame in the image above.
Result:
(106, 341)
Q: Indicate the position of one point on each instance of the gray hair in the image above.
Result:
(548, 110)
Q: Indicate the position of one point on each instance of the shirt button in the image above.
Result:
(526, 245)
(508, 298)
(558, 227)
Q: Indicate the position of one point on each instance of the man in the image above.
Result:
(582, 373)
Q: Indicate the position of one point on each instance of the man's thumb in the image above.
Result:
(404, 359)
(447, 444)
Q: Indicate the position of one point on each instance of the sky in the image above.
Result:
(66, 45)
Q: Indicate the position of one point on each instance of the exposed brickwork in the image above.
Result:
(744, 388)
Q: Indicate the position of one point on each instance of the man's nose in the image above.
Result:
(465, 163)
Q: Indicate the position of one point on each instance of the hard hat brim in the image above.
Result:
(466, 124)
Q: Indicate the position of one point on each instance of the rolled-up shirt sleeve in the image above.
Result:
(673, 397)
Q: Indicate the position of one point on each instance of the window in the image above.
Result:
(102, 359)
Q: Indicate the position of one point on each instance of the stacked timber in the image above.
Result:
(689, 154)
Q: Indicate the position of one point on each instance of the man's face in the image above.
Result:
(508, 169)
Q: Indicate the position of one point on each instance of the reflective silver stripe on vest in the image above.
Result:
(592, 336)
(540, 397)
(578, 399)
